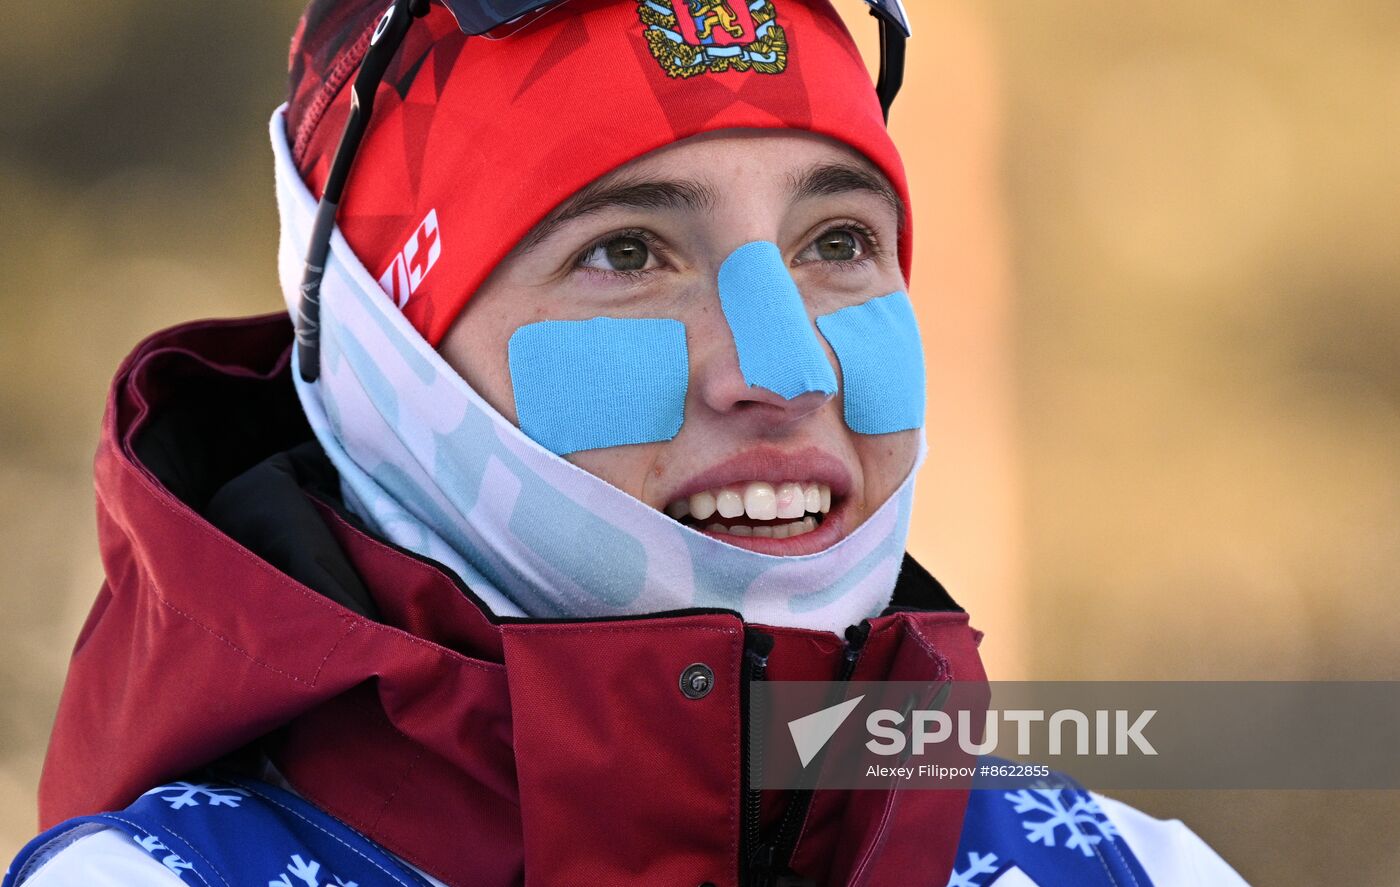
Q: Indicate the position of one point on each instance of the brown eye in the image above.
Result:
(838, 246)
(625, 253)
(845, 245)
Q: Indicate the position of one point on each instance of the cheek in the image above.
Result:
(476, 347)
(882, 364)
(599, 383)
(885, 461)
(631, 469)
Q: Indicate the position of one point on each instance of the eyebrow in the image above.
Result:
(836, 178)
(829, 179)
(606, 194)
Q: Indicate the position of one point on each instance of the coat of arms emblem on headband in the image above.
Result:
(690, 37)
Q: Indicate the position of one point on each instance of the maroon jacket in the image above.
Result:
(486, 751)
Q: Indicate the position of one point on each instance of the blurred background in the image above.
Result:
(1157, 274)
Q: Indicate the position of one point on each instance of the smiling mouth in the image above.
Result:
(764, 509)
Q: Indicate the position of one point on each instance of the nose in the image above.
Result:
(772, 363)
(777, 344)
(721, 388)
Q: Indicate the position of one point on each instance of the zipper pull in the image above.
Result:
(757, 646)
(856, 636)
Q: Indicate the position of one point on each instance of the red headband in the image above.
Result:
(473, 135)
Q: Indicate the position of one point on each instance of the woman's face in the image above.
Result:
(647, 240)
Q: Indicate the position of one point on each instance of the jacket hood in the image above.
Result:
(245, 615)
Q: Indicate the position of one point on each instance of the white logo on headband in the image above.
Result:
(412, 263)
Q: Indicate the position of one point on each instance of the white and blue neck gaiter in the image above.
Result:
(426, 462)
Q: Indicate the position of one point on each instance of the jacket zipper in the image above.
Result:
(757, 646)
(766, 863)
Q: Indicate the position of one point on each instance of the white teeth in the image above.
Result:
(702, 505)
(729, 503)
(760, 502)
(764, 532)
(741, 530)
(717, 528)
(792, 502)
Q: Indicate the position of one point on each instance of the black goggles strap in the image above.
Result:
(892, 45)
(384, 44)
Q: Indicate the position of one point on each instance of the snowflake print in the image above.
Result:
(978, 864)
(1083, 821)
(307, 872)
(154, 846)
(188, 794)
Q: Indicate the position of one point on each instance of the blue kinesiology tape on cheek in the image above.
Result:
(882, 364)
(605, 382)
(778, 349)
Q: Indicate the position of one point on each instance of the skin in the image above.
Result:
(654, 249)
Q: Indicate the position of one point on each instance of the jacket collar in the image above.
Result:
(478, 749)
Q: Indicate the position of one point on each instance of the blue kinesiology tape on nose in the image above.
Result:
(778, 349)
(605, 382)
(882, 364)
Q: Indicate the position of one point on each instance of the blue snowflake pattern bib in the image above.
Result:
(1051, 835)
(242, 832)
(231, 833)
